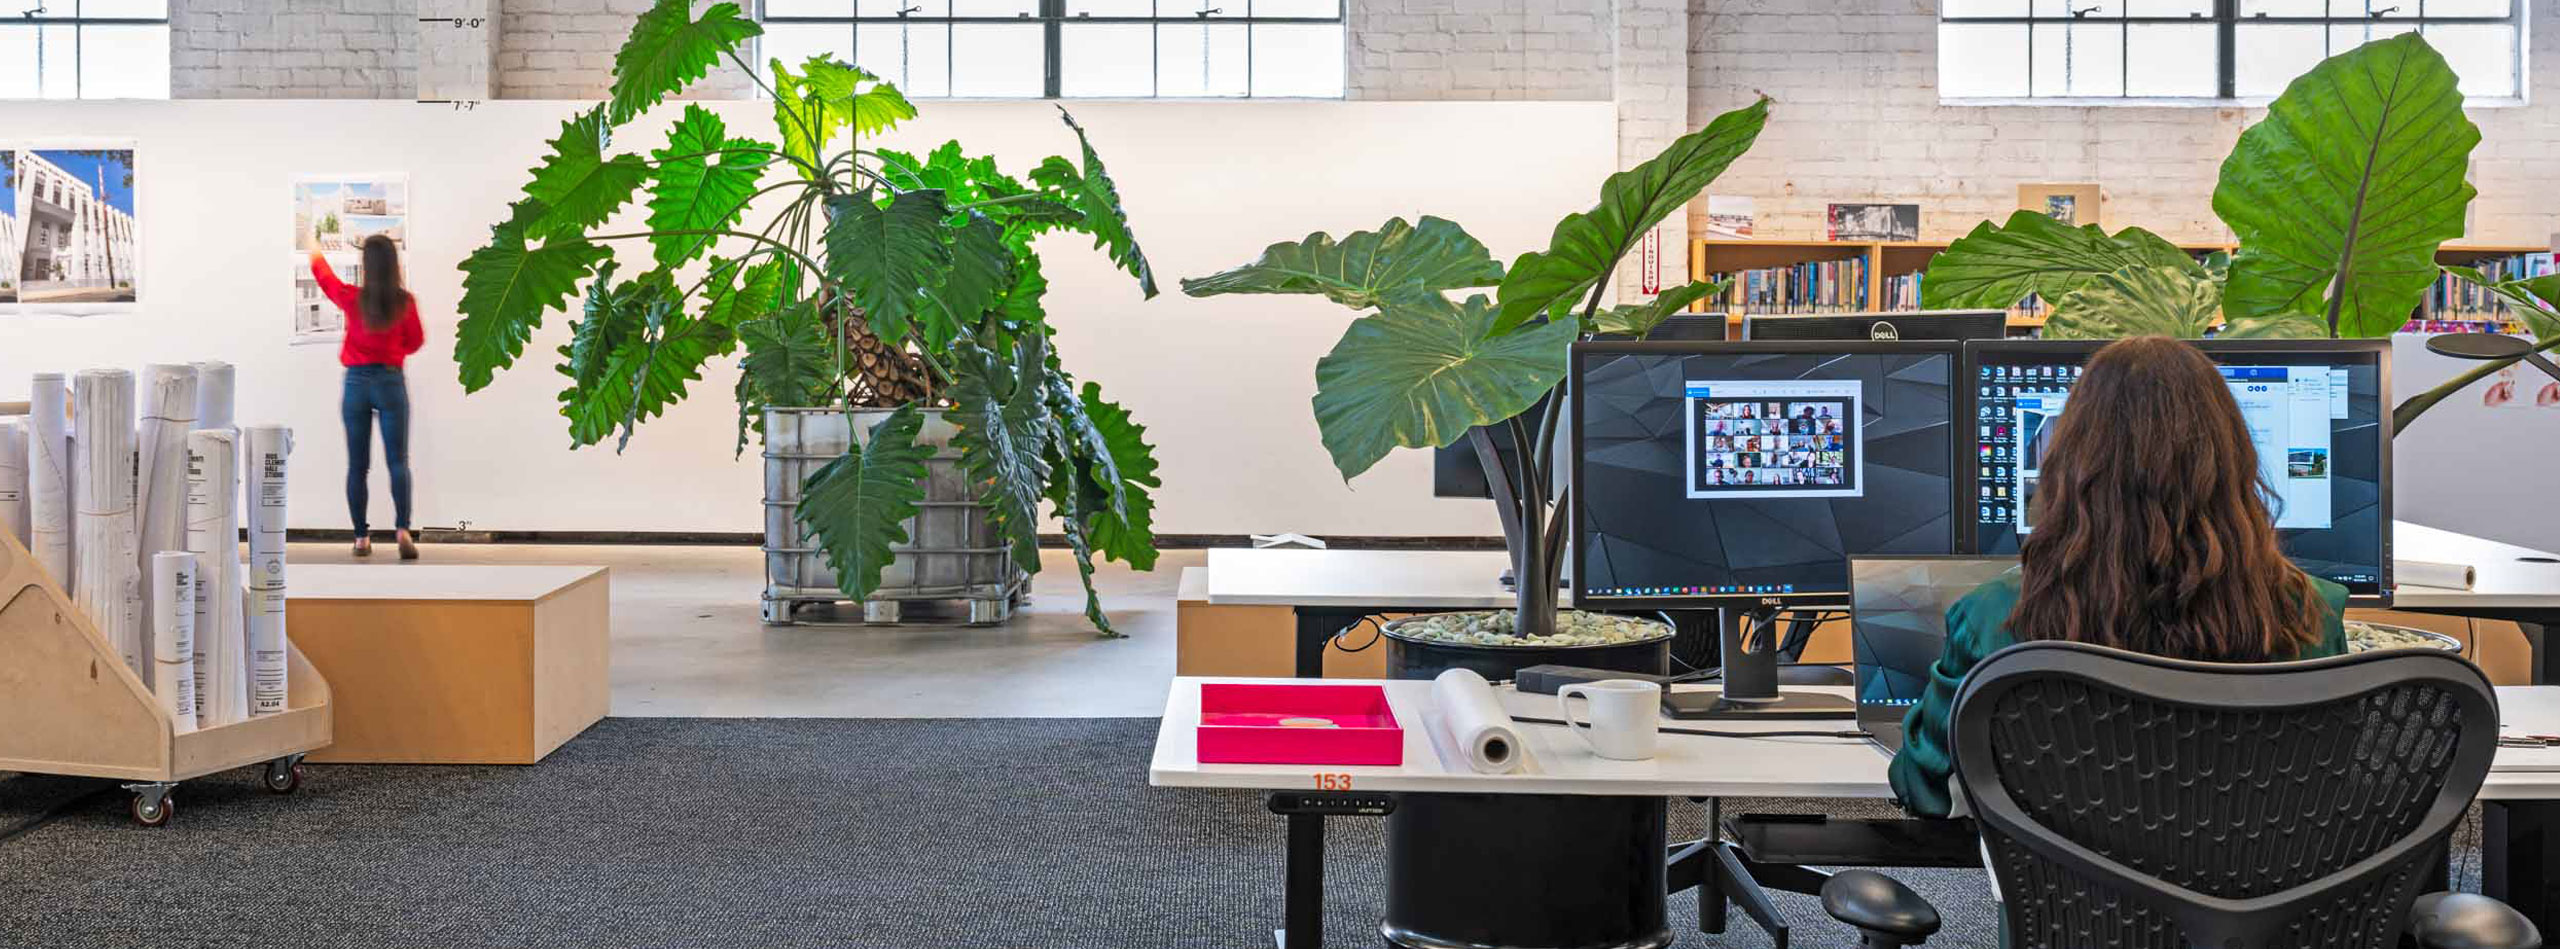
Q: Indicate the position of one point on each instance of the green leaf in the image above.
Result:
(2341, 196)
(668, 49)
(888, 257)
(645, 375)
(1639, 319)
(699, 191)
(2140, 300)
(1128, 536)
(2033, 255)
(576, 182)
(1363, 266)
(2535, 300)
(1003, 438)
(2279, 326)
(609, 319)
(762, 289)
(506, 284)
(1587, 246)
(1082, 447)
(981, 269)
(858, 505)
(1021, 307)
(787, 362)
(826, 97)
(1072, 518)
(1422, 370)
(1090, 190)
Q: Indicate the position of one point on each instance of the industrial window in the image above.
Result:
(1072, 48)
(84, 49)
(2205, 49)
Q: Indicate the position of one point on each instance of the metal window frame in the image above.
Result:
(1053, 19)
(79, 25)
(2227, 20)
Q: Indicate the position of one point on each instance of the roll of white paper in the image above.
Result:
(2451, 576)
(268, 447)
(213, 394)
(1474, 722)
(213, 534)
(160, 483)
(173, 636)
(49, 476)
(107, 582)
(13, 480)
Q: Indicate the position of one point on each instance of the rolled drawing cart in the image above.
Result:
(72, 708)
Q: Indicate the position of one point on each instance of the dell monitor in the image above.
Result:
(1908, 324)
(2319, 412)
(1457, 473)
(1746, 474)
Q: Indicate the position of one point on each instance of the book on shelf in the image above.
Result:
(2455, 305)
(1819, 286)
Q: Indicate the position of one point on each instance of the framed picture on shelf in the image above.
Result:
(1873, 222)
(1729, 216)
(2072, 205)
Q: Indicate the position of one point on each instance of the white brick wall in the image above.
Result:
(293, 49)
(1479, 49)
(1857, 118)
(563, 49)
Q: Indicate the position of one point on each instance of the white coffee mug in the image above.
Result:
(1626, 714)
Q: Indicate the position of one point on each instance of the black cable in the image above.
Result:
(1668, 730)
(1378, 631)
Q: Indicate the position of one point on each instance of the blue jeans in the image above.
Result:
(376, 392)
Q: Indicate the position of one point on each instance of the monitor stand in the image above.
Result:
(1750, 678)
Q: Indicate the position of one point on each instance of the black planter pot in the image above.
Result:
(1525, 871)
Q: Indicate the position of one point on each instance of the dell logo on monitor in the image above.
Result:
(1883, 330)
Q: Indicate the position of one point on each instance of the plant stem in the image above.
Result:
(759, 238)
(735, 210)
(2408, 412)
(729, 151)
(1534, 589)
(775, 96)
(1008, 199)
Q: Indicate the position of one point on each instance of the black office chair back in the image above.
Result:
(2133, 801)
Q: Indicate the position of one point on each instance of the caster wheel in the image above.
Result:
(283, 778)
(153, 813)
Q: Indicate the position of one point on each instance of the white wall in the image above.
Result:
(1222, 384)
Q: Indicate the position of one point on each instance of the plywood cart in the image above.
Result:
(68, 705)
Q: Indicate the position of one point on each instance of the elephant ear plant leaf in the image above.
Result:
(1423, 371)
(868, 279)
(2140, 300)
(1999, 264)
(2343, 194)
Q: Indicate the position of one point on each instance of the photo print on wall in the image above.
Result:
(77, 242)
(2071, 204)
(10, 214)
(1874, 222)
(334, 214)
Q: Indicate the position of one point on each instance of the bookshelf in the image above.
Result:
(1884, 262)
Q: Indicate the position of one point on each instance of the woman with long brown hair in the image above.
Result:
(2152, 534)
(382, 330)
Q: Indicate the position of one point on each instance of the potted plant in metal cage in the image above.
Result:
(886, 319)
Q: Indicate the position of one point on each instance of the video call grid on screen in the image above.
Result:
(2316, 414)
(1783, 439)
(1650, 534)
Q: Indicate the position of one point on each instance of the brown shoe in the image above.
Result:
(364, 545)
(408, 545)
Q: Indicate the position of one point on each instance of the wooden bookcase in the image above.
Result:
(1709, 256)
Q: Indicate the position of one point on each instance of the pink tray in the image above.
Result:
(1240, 724)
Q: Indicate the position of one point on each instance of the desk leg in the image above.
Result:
(1302, 889)
(1317, 626)
(2541, 666)
(1711, 901)
(2520, 858)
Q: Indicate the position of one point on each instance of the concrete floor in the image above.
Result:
(687, 641)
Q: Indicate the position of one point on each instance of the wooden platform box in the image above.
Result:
(455, 664)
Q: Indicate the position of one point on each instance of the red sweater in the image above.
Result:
(364, 345)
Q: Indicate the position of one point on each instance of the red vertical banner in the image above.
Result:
(1653, 261)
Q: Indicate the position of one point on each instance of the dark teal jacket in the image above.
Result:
(1978, 626)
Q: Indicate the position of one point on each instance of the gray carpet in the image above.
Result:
(752, 833)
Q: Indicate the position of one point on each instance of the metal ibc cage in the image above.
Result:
(953, 551)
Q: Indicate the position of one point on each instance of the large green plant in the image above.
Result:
(2340, 200)
(1420, 370)
(878, 279)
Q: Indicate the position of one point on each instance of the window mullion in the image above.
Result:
(2226, 40)
(1053, 13)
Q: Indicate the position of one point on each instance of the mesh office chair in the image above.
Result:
(2132, 801)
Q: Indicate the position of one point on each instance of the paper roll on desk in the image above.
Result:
(213, 534)
(49, 476)
(160, 483)
(173, 636)
(267, 447)
(107, 580)
(13, 479)
(1474, 722)
(213, 394)
(2424, 573)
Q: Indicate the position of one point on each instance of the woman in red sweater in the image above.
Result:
(382, 330)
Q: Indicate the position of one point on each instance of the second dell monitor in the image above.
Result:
(1716, 472)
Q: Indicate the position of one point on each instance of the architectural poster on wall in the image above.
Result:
(334, 214)
(9, 215)
(72, 230)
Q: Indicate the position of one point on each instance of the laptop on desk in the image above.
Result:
(1898, 626)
